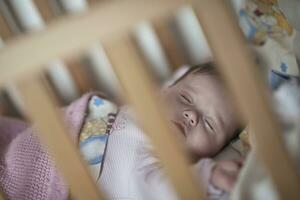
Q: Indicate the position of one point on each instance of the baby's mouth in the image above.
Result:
(180, 127)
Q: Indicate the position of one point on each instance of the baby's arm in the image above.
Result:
(217, 178)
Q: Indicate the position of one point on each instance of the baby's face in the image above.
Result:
(201, 110)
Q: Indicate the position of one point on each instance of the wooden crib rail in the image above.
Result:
(44, 7)
(174, 53)
(53, 134)
(72, 34)
(1, 197)
(111, 23)
(4, 28)
(47, 119)
(141, 92)
(241, 74)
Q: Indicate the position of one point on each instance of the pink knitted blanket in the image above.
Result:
(26, 170)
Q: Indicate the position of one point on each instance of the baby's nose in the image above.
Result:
(191, 116)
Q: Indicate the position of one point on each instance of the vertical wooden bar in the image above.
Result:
(191, 36)
(101, 72)
(140, 90)
(2, 110)
(1, 196)
(45, 9)
(11, 17)
(74, 6)
(3, 107)
(92, 1)
(170, 45)
(62, 81)
(8, 105)
(5, 31)
(147, 41)
(241, 74)
(79, 75)
(53, 134)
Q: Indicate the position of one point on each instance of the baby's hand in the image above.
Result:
(225, 173)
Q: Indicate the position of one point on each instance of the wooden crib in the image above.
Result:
(23, 59)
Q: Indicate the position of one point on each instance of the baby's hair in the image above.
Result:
(207, 68)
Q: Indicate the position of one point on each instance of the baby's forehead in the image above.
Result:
(192, 76)
(196, 76)
(202, 85)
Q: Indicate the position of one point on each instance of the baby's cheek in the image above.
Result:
(201, 145)
(220, 141)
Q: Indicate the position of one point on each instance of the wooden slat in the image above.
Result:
(1, 196)
(7, 12)
(73, 34)
(45, 9)
(11, 20)
(13, 17)
(2, 110)
(168, 41)
(79, 75)
(5, 31)
(240, 72)
(140, 90)
(8, 108)
(93, 1)
(53, 134)
(3, 106)
(56, 8)
(147, 41)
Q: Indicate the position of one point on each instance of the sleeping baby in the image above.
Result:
(119, 154)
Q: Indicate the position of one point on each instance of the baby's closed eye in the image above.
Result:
(208, 124)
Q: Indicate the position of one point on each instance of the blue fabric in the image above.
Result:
(275, 79)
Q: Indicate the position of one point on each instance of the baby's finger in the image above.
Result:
(223, 180)
(224, 176)
(230, 166)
